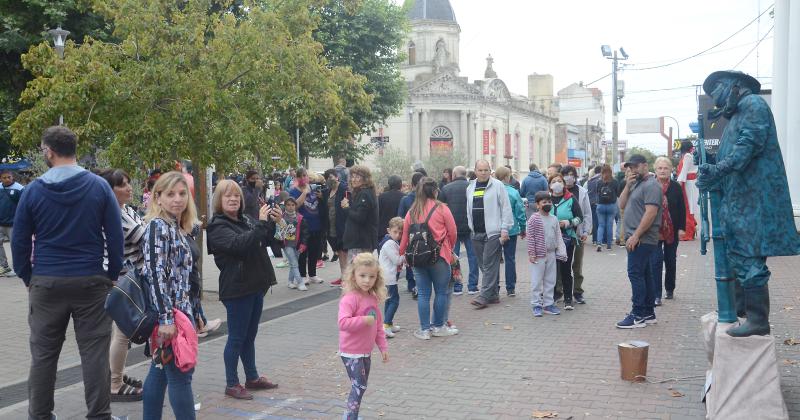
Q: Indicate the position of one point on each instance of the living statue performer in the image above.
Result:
(687, 177)
(754, 209)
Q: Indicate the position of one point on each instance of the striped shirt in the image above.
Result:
(132, 232)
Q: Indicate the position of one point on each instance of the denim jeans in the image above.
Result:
(392, 302)
(294, 267)
(664, 256)
(244, 314)
(412, 284)
(436, 277)
(179, 384)
(639, 274)
(605, 224)
(472, 260)
(510, 256)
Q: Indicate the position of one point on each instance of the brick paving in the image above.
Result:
(503, 364)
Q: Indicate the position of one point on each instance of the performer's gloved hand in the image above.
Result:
(707, 176)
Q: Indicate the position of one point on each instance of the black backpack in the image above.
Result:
(606, 194)
(422, 249)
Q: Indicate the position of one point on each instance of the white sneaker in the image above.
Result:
(395, 328)
(423, 335)
(292, 285)
(443, 331)
(305, 280)
(389, 333)
(317, 279)
(472, 292)
(302, 287)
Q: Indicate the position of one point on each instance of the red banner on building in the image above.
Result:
(575, 162)
(507, 147)
(485, 142)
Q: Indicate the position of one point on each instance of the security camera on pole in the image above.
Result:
(617, 92)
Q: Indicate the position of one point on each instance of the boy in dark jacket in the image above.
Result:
(10, 192)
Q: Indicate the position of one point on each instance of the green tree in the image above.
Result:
(363, 36)
(650, 156)
(392, 162)
(24, 23)
(213, 81)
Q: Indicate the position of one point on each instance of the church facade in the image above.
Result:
(445, 113)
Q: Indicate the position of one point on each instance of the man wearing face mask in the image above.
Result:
(253, 193)
(583, 230)
(642, 200)
(755, 210)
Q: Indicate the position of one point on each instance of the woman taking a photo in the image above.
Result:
(361, 225)
(437, 277)
(673, 224)
(569, 215)
(607, 191)
(239, 245)
(168, 266)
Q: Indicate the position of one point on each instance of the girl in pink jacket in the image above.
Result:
(361, 325)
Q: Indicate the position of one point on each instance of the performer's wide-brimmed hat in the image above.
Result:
(749, 81)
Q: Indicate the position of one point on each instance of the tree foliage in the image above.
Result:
(363, 36)
(219, 82)
(24, 23)
(650, 156)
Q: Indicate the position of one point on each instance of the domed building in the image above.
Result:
(446, 113)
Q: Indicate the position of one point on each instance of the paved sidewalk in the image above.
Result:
(503, 364)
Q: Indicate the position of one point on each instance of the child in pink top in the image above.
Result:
(361, 325)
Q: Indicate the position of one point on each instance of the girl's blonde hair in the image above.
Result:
(365, 259)
(165, 183)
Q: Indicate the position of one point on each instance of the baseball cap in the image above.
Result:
(635, 160)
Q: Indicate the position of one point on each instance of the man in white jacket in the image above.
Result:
(490, 218)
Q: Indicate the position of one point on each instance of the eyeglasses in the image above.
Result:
(43, 149)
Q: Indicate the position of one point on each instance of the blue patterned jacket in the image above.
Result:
(168, 266)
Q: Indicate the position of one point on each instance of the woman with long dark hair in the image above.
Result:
(434, 278)
(607, 190)
(361, 225)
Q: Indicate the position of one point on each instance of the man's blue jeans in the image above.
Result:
(472, 284)
(181, 398)
(510, 257)
(244, 314)
(435, 278)
(639, 273)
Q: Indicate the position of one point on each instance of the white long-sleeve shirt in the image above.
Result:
(390, 261)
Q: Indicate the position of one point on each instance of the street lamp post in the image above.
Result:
(607, 53)
(678, 129)
(59, 38)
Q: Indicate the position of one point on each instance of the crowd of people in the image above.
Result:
(87, 235)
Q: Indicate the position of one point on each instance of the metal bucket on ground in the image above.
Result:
(633, 360)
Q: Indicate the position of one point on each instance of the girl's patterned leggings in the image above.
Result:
(358, 371)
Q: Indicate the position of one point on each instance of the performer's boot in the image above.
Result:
(739, 295)
(757, 306)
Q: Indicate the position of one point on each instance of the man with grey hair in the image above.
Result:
(454, 194)
(490, 218)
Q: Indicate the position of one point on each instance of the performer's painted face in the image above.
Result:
(722, 91)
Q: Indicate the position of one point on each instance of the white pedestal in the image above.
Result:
(745, 382)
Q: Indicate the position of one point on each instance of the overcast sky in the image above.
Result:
(563, 38)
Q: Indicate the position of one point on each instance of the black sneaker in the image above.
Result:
(658, 302)
(335, 257)
(568, 305)
(512, 293)
(414, 294)
(579, 299)
(669, 295)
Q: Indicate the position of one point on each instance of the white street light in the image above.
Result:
(59, 38)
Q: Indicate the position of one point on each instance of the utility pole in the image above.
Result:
(615, 99)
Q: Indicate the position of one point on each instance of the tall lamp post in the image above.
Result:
(607, 53)
(678, 127)
(59, 38)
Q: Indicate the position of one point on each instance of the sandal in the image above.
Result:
(134, 382)
(127, 393)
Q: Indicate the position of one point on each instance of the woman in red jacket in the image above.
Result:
(436, 277)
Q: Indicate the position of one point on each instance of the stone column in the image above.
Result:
(463, 133)
(414, 145)
(425, 138)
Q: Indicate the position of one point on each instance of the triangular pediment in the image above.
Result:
(446, 84)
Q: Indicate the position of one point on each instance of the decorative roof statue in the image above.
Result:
(441, 56)
(750, 200)
(489, 73)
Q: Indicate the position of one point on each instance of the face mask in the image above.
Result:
(569, 179)
(252, 184)
(547, 208)
(557, 187)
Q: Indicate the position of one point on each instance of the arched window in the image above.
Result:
(441, 139)
(412, 54)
